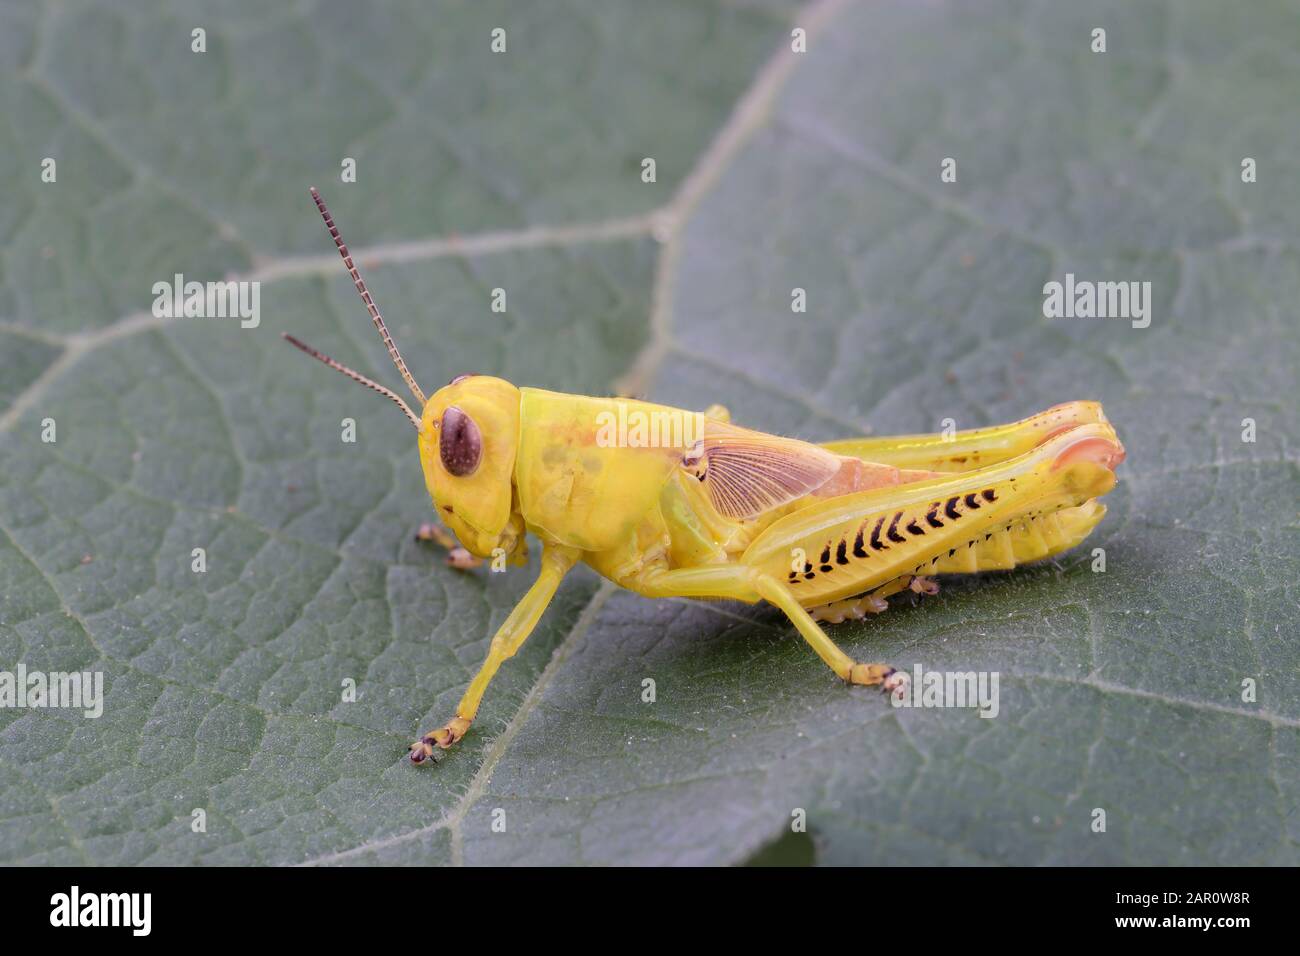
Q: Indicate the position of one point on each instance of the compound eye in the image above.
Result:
(460, 443)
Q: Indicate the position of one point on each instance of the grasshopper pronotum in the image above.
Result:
(823, 532)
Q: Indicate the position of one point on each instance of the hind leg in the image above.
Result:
(881, 539)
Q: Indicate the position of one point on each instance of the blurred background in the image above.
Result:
(505, 146)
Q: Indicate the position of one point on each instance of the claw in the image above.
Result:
(443, 739)
(896, 684)
(421, 751)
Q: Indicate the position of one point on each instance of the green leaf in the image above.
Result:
(1120, 690)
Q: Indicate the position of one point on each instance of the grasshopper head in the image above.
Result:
(468, 436)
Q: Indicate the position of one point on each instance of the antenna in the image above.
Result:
(366, 298)
(355, 376)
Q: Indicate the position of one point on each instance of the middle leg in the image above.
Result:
(747, 584)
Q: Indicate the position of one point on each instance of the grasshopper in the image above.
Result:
(670, 503)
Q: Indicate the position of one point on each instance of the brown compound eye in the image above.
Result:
(460, 443)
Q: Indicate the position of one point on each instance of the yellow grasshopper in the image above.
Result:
(671, 503)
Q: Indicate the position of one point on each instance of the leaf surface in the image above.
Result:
(1120, 691)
